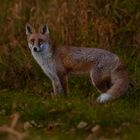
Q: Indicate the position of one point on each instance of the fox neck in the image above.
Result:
(44, 55)
(45, 60)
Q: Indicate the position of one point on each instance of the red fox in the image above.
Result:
(106, 70)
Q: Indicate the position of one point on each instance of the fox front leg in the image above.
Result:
(57, 87)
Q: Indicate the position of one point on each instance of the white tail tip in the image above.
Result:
(104, 97)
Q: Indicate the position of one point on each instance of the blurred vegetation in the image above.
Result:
(110, 24)
(113, 25)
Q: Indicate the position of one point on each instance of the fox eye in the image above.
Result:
(32, 41)
(41, 41)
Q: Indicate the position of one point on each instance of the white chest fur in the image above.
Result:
(44, 59)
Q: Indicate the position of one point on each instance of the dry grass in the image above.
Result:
(89, 23)
(11, 131)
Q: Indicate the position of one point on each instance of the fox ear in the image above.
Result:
(29, 29)
(45, 30)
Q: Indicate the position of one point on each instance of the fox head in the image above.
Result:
(37, 41)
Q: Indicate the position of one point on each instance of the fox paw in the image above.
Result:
(104, 97)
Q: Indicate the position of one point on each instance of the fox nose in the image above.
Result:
(35, 49)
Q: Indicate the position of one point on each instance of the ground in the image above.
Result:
(77, 117)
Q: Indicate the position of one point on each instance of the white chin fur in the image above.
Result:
(104, 97)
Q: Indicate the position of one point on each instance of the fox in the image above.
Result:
(107, 72)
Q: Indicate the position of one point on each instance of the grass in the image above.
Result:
(58, 118)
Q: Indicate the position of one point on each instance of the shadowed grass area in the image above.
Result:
(59, 117)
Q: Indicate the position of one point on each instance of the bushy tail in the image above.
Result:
(120, 84)
(120, 80)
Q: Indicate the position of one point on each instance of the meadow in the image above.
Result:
(27, 110)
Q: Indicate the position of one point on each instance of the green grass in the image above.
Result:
(55, 118)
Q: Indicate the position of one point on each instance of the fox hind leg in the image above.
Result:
(101, 84)
(64, 82)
